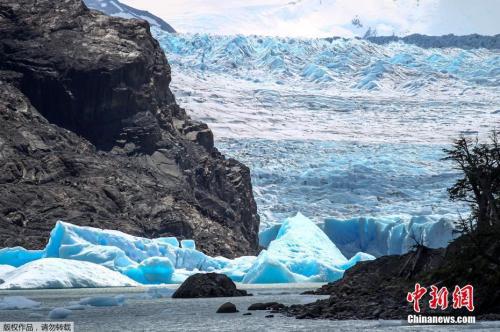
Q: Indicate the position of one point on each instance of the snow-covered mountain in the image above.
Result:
(327, 18)
(116, 8)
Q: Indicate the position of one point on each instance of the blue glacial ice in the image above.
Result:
(389, 236)
(350, 181)
(78, 256)
(300, 252)
(18, 256)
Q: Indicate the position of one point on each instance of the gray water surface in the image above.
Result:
(143, 313)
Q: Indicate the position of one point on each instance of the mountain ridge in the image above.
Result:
(117, 8)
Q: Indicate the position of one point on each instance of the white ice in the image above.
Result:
(5, 269)
(63, 273)
(17, 302)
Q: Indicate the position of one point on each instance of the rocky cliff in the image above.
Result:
(91, 134)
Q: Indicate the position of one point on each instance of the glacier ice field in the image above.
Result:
(348, 132)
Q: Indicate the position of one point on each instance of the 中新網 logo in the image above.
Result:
(462, 297)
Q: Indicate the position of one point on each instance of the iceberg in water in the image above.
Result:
(301, 252)
(63, 273)
(17, 303)
(77, 256)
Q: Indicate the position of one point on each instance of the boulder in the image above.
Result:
(208, 285)
(227, 308)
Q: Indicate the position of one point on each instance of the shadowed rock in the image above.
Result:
(208, 285)
(227, 308)
(90, 133)
(266, 306)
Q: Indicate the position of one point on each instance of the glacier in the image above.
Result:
(78, 256)
(391, 235)
(341, 129)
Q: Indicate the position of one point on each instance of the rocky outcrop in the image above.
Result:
(377, 289)
(208, 285)
(372, 290)
(117, 8)
(266, 306)
(91, 134)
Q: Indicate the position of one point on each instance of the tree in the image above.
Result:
(356, 22)
(480, 184)
(370, 33)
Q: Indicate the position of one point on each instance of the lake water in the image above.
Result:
(143, 313)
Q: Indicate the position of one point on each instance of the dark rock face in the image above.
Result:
(227, 308)
(208, 285)
(91, 134)
(116, 8)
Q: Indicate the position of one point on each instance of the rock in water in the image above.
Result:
(208, 285)
(90, 133)
(227, 308)
(266, 306)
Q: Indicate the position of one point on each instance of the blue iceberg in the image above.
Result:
(301, 252)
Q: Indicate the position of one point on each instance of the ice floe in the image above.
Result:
(17, 302)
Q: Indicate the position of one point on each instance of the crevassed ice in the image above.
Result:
(340, 128)
(343, 89)
(89, 257)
